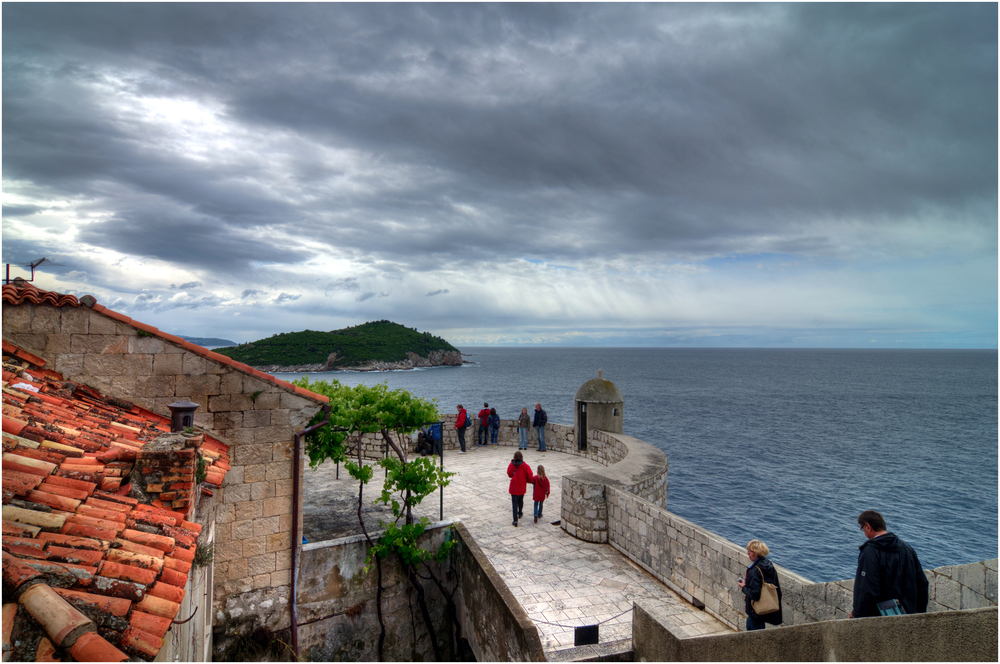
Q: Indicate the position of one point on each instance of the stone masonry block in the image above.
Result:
(284, 450)
(279, 470)
(228, 420)
(948, 593)
(251, 509)
(219, 403)
(102, 324)
(971, 576)
(259, 491)
(990, 592)
(267, 401)
(272, 434)
(228, 551)
(253, 455)
(285, 523)
(279, 418)
(284, 488)
(254, 419)
(154, 386)
(242, 401)
(225, 513)
(262, 564)
(277, 506)
(295, 402)
(281, 577)
(146, 345)
(75, 320)
(231, 382)
(234, 476)
(973, 600)
(239, 493)
(242, 530)
(261, 581)
(46, 320)
(104, 365)
(283, 559)
(139, 364)
(193, 365)
(197, 384)
(255, 546)
(222, 532)
(279, 542)
(16, 318)
(57, 343)
(265, 526)
(256, 472)
(238, 569)
(124, 385)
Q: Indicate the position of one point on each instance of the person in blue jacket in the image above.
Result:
(888, 569)
(760, 570)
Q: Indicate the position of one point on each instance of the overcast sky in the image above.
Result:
(575, 174)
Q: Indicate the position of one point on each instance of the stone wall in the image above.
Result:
(969, 635)
(703, 568)
(337, 612)
(494, 623)
(337, 608)
(255, 417)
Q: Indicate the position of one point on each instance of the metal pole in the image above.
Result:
(442, 468)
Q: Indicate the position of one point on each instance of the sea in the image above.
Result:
(783, 445)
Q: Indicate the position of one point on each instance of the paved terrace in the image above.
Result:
(561, 582)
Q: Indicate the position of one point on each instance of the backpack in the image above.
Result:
(467, 423)
(494, 421)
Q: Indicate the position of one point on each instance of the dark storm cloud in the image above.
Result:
(495, 128)
(21, 210)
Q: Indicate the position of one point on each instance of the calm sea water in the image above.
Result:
(787, 446)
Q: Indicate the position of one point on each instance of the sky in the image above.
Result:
(772, 175)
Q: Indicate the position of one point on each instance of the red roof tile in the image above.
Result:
(18, 294)
(79, 534)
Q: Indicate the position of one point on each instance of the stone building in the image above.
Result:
(253, 413)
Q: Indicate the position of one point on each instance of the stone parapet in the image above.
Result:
(704, 567)
(633, 467)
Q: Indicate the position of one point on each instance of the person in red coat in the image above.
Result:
(520, 476)
(541, 491)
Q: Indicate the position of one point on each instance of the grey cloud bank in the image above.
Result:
(586, 174)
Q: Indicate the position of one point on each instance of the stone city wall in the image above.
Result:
(968, 635)
(256, 418)
(704, 567)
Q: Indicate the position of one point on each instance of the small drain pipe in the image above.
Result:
(296, 534)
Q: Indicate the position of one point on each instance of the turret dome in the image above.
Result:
(598, 390)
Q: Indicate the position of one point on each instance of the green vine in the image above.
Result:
(202, 471)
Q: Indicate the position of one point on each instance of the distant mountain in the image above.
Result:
(208, 342)
(376, 345)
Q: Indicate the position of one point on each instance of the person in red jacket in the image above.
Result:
(540, 492)
(462, 423)
(520, 475)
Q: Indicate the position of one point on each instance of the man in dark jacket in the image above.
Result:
(541, 419)
(888, 569)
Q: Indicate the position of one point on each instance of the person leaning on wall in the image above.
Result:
(761, 571)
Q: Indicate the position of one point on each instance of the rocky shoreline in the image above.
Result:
(413, 361)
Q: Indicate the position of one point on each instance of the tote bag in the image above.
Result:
(768, 602)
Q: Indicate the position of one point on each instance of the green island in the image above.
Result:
(376, 345)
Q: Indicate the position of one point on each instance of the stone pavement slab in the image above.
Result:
(561, 582)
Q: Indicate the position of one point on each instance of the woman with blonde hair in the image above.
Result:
(760, 571)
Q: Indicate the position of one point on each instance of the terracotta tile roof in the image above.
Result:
(20, 292)
(89, 571)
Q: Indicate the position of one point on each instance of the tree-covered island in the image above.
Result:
(375, 346)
